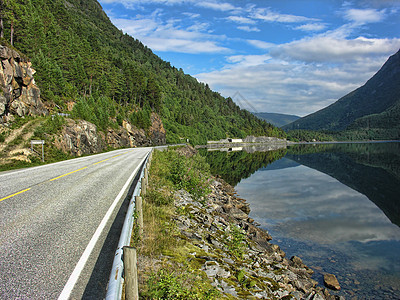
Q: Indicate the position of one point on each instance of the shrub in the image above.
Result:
(98, 111)
(178, 285)
(2, 137)
(191, 175)
(52, 125)
(236, 241)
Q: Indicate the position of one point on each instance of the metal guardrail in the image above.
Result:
(115, 283)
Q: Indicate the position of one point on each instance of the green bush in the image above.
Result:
(168, 284)
(52, 125)
(191, 174)
(159, 198)
(98, 111)
(2, 137)
(141, 118)
(236, 240)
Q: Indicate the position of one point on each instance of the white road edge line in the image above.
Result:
(66, 292)
(72, 160)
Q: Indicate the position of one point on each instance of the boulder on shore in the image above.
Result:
(331, 282)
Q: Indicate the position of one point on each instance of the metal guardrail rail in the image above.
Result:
(115, 283)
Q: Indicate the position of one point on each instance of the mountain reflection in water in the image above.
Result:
(335, 205)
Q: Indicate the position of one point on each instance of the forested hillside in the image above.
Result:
(83, 60)
(369, 112)
(276, 119)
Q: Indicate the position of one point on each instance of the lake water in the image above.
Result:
(337, 206)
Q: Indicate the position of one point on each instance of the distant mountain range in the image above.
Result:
(372, 110)
(278, 120)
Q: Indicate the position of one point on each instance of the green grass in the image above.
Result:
(177, 276)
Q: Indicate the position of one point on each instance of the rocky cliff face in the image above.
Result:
(80, 137)
(19, 95)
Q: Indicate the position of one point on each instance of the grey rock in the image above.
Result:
(318, 296)
(281, 293)
(226, 288)
(18, 86)
(213, 269)
(5, 52)
(3, 102)
(296, 295)
(8, 72)
(17, 70)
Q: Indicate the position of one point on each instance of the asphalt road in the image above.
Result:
(48, 217)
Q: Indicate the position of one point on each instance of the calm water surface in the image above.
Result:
(336, 206)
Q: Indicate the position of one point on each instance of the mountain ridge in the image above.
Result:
(380, 94)
(277, 119)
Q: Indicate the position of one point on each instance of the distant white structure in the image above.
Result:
(235, 140)
(249, 139)
(226, 141)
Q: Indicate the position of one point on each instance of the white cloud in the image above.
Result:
(260, 44)
(303, 76)
(191, 15)
(248, 60)
(330, 49)
(199, 27)
(183, 45)
(249, 29)
(241, 20)
(364, 16)
(216, 5)
(266, 14)
(311, 27)
(168, 36)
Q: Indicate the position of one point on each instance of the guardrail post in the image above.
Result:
(139, 211)
(143, 186)
(146, 175)
(131, 275)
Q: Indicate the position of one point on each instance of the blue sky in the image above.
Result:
(283, 56)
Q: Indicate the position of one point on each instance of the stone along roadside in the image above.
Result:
(236, 255)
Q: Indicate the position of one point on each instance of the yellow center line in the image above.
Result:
(68, 174)
(23, 191)
(100, 161)
(55, 178)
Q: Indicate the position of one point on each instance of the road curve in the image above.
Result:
(48, 216)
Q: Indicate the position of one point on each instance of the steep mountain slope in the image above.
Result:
(82, 59)
(278, 120)
(367, 107)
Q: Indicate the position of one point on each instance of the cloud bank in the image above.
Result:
(322, 59)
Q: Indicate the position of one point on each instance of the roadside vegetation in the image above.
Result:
(164, 270)
(15, 151)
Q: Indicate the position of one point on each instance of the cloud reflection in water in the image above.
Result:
(305, 204)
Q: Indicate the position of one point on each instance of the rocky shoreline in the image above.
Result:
(236, 254)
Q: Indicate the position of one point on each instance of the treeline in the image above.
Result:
(234, 166)
(309, 136)
(81, 56)
(361, 130)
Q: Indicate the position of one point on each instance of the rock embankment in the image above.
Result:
(19, 95)
(78, 137)
(236, 255)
